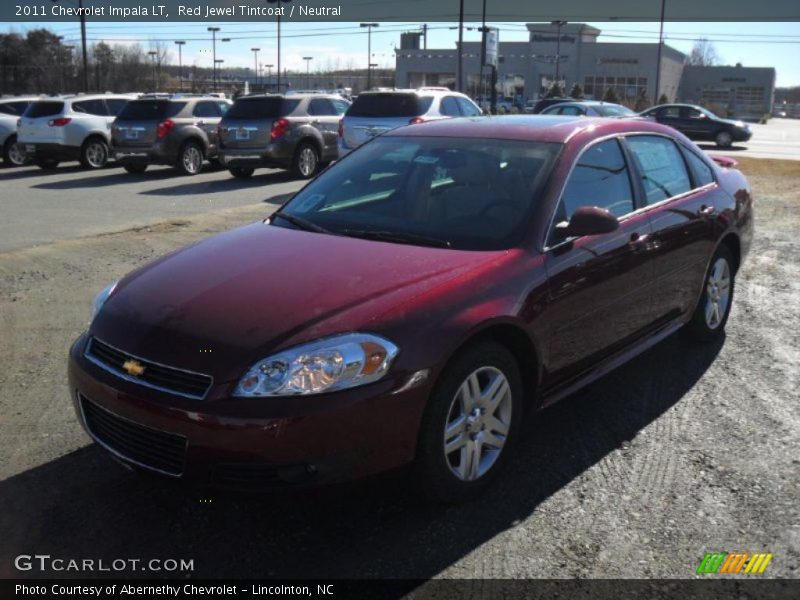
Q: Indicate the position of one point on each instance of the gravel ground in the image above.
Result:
(687, 449)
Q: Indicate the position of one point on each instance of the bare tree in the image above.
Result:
(703, 54)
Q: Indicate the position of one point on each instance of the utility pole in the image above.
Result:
(660, 47)
(153, 54)
(214, 31)
(85, 74)
(559, 25)
(269, 72)
(460, 62)
(256, 51)
(278, 17)
(424, 36)
(369, 27)
(180, 44)
(308, 60)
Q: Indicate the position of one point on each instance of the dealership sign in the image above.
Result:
(491, 35)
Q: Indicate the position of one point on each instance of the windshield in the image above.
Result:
(463, 193)
(614, 110)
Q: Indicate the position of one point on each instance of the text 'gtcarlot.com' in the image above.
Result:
(45, 562)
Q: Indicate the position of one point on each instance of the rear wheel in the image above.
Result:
(14, 153)
(723, 139)
(711, 313)
(135, 168)
(472, 418)
(190, 159)
(242, 172)
(47, 163)
(306, 161)
(94, 153)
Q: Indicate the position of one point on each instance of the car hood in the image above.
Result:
(733, 123)
(220, 305)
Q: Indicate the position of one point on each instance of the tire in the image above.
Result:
(455, 476)
(305, 163)
(723, 139)
(14, 153)
(190, 159)
(242, 172)
(135, 169)
(47, 164)
(711, 314)
(94, 153)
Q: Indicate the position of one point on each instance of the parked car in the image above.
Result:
(698, 123)
(543, 103)
(294, 131)
(412, 302)
(11, 110)
(181, 132)
(590, 108)
(57, 129)
(374, 113)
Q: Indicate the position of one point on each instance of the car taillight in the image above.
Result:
(279, 127)
(341, 127)
(164, 128)
(416, 121)
(59, 122)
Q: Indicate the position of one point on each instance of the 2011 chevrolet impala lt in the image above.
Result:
(412, 302)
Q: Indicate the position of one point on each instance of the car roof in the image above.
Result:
(426, 91)
(540, 128)
(7, 99)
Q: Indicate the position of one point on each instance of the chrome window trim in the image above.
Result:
(127, 377)
(119, 454)
(619, 137)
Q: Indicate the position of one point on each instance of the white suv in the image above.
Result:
(11, 109)
(56, 129)
(376, 112)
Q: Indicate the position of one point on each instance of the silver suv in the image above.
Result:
(71, 128)
(373, 113)
(11, 109)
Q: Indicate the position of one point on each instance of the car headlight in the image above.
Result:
(334, 363)
(100, 299)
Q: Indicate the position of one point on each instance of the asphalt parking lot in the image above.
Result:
(685, 450)
(778, 139)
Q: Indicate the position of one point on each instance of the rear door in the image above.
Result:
(679, 186)
(326, 120)
(670, 115)
(376, 113)
(695, 124)
(600, 287)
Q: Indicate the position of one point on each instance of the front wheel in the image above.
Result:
(242, 172)
(190, 159)
(724, 139)
(306, 161)
(472, 418)
(14, 153)
(711, 314)
(94, 154)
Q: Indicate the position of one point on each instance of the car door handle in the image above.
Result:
(706, 211)
(200, 123)
(643, 242)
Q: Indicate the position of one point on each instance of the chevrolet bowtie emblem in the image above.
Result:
(134, 367)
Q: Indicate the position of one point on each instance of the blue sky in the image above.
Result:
(345, 44)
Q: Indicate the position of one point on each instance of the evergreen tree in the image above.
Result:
(576, 92)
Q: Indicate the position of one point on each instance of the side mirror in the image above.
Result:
(588, 220)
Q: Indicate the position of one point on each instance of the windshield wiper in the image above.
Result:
(301, 223)
(397, 237)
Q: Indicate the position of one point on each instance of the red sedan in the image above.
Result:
(412, 302)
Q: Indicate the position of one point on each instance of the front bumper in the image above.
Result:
(250, 444)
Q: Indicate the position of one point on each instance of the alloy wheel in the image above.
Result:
(718, 293)
(478, 423)
(192, 159)
(17, 155)
(307, 161)
(96, 155)
(724, 139)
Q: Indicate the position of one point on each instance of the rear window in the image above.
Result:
(389, 105)
(44, 109)
(14, 108)
(147, 110)
(261, 108)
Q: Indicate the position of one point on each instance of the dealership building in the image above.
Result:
(526, 70)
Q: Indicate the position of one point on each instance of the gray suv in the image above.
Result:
(181, 132)
(293, 131)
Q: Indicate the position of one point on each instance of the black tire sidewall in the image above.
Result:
(296, 160)
(85, 161)
(179, 163)
(697, 327)
(438, 483)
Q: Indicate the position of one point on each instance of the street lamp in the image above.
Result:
(278, 16)
(369, 27)
(660, 48)
(256, 51)
(214, 31)
(460, 62)
(154, 54)
(180, 44)
(83, 45)
(308, 60)
(269, 72)
(559, 25)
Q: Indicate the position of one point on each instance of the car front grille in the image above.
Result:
(155, 375)
(157, 450)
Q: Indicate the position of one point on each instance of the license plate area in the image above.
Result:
(242, 135)
(132, 134)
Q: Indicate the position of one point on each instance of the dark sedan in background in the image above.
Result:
(700, 124)
(412, 302)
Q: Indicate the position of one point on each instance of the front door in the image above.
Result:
(600, 287)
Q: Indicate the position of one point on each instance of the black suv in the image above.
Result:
(698, 123)
(168, 131)
(293, 131)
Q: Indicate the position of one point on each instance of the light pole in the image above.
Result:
(83, 46)
(278, 17)
(660, 46)
(369, 27)
(256, 51)
(269, 72)
(180, 44)
(214, 31)
(559, 25)
(154, 53)
(308, 60)
(218, 61)
(460, 62)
